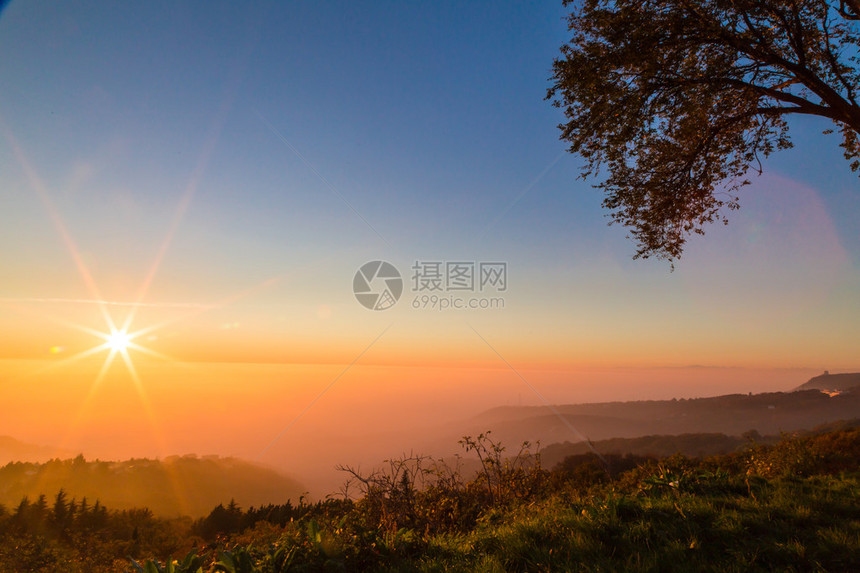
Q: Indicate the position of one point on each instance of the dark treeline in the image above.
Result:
(57, 518)
(44, 533)
(225, 520)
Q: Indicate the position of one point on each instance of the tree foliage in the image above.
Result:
(679, 100)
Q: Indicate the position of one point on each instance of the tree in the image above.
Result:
(82, 517)
(40, 508)
(22, 513)
(679, 100)
(60, 512)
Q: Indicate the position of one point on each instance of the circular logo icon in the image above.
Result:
(377, 285)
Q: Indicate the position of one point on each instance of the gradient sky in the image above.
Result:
(230, 168)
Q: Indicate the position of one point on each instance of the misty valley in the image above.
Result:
(690, 479)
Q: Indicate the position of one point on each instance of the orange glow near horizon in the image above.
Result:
(285, 354)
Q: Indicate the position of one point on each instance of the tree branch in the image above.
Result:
(852, 12)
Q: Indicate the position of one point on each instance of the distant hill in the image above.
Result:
(734, 414)
(17, 451)
(692, 445)
(828, 382)
(187, 485)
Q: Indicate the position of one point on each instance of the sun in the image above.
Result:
(118, 340)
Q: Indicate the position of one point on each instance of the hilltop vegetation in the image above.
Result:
(186, 485)
(694, 445)
(833, 382)
(790, 506)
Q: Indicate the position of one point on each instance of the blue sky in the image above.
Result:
(283, 140)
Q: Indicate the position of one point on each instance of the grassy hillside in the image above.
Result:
(789, 506)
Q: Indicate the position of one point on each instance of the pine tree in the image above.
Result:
(60, 513)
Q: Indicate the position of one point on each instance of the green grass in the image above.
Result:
(789, 525)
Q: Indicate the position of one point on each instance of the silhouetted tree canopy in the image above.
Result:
(678, 100)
